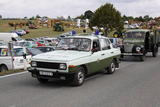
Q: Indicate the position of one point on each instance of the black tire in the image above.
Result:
(155, 51)
(79, 77)
(142, 58)
(3, 68)
(112, 68)
(43, 81)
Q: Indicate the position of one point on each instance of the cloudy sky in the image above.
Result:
(54, 8)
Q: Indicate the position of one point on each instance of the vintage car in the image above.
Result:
(74, 58)
(138, 42)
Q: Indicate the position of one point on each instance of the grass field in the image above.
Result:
(34, 33)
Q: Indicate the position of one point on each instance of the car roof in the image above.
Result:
(5, 46)
(92, 37)
(139, 30)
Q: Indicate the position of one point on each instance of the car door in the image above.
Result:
(106, 53)
(94, 59)
(5, 58)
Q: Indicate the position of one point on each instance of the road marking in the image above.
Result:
(13, 74)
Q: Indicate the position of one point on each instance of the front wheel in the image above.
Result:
(79, 77)
(112, 68)
(142, 58)
(3, 68)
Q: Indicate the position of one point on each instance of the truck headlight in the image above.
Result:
(33, 64)
(62, 66)
(138, 49)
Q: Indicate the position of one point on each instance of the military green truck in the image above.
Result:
(138, 42)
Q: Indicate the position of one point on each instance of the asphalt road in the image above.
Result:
(135, 84)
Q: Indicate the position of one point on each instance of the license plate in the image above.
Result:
(46, 73)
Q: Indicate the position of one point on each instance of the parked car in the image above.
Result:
(45, 48)
(42, 43)
(19, 32)
(32, 26)
(52, 41)
(18, 59)
(74, 58)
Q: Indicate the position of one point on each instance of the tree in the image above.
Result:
(38, 16)
(0, 16)
(80, 17)
(107, 17)
(88, 14)
(69, 18)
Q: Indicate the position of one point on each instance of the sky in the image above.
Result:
(73, 8)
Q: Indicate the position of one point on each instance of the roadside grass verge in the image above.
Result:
(10, 72)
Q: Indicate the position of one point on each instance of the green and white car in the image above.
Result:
(75, 58)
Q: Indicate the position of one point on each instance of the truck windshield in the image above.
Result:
(135, 35)
(78, 44)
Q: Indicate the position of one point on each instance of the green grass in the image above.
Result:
(34, 33)
(40, 32)
(10, 72)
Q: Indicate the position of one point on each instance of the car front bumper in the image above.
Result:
(132, 54)
(58, 75)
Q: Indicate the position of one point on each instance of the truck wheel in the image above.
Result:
(142, 58)
(79, 77)
(3, 68)
(111, 68)
(43, 81)
(155, 51)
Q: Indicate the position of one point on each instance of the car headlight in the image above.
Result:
(33, 64)
(62, 66)
(138, 49)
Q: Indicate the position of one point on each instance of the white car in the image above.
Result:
(52, 41)
(18, 59)
(74, 58)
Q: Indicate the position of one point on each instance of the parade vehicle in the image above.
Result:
(74, 58)
(138, 42)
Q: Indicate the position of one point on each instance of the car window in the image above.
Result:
(105, 44)
(18, 52)
(3, 52)
(96, 45)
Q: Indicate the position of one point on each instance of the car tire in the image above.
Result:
(79, 77)
(112, 68)
(142, 58)
(43, 81)
(3, 68)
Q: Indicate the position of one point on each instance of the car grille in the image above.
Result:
(128, 47)
(48, 65)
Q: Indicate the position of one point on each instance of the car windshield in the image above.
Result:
(44, 49)
(135, 35)
(34, 51)
(79, 44)
(18, 52)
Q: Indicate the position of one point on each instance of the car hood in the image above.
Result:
(61, 55)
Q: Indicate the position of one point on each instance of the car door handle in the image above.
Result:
(112, 52)
(102, 54)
